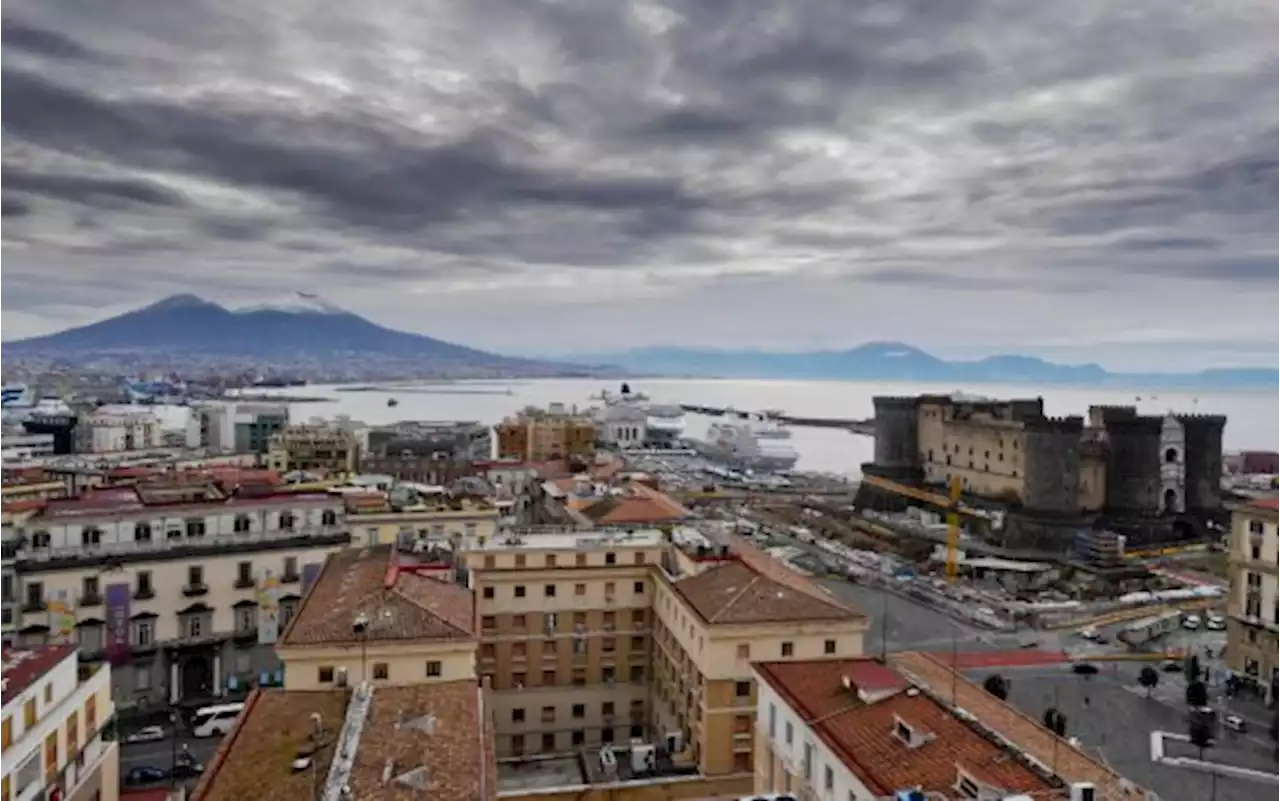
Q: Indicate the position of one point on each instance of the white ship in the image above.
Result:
(631, 420)
(737, 443)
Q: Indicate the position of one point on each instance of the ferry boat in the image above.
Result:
(737, 444)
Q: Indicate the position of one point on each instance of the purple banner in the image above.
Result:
(118, 597)
(309, 574)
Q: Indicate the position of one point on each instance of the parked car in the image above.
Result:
(1235, 723)
(147, 734)
(144, 774)
(1215, 623)
(1191, 622)
(1171, 666)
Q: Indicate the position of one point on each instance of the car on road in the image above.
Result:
(1215, 623)
(147, 734)
(1172, 666)
(1191, 622)
(1089, 633)
(1084, 668)
(1235, 723)
(144, 774)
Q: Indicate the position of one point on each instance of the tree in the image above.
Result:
(1197, 694)
(1201, 728)
(1055, 721)
(997, 685)
(1149, 678)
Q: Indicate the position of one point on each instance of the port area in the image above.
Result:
(863, 427)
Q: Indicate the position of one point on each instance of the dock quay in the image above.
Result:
(864, 427)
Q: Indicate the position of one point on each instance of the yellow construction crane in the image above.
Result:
(955, 487)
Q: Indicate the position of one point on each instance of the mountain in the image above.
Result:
(895, 361)
(296, 331)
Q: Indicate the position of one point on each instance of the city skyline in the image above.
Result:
(1082, 182)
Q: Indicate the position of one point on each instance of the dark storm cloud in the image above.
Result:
(439, 146)
(41, 41)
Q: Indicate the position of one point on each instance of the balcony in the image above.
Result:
(195, 590)
(90, 599)
(144, 594)
(135, 550)
(34, 605)
(244, 583)
(291, 577)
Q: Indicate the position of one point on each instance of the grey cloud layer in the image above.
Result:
(240, 147)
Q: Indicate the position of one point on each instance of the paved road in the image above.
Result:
(160, 754)
(1110, 714)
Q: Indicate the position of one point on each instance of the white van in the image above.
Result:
(215, 721)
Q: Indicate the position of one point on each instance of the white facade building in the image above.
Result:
(234, 426)
(187, 594)
(112, 429)
(20, 446)
(55, 717)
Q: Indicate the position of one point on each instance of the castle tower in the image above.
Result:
(897, 453)
(1202, 435)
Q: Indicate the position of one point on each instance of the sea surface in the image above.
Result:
(1252, 415)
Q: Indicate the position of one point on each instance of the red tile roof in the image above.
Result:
(400, 604)
(29, 505)
(25, 666)
(735, 593)
(1267, 503)
(861, 732)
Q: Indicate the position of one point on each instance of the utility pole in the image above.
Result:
(884, 622)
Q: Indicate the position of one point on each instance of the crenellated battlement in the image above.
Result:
(1070, 425)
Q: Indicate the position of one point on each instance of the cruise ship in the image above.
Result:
(659, 425)
(739, 444)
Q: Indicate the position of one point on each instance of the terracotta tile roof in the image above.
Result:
(636, 504)
(255, 761)
(456, 750)
(1072, 764)
(400, 604)
(1267, 503)
(23, 667)
(18, 507)
(735, 593)
(775, 570)
(861, 732)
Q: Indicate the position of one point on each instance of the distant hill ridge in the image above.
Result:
(302, 327)
(897, 361)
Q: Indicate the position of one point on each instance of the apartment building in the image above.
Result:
(329, 449)
(422, 741)
(427, 452)
(231, 427)
(540, 435)
(403, 515)
(185, 588)
(1253, 610)
(58, 727)
(565, 636)
(588, 502)
(112, 429)
(382, 615)
(859, 730)
(595, 638)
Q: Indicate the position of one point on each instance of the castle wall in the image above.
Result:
(1133, 467)
(1202, 435)
(1052, 464)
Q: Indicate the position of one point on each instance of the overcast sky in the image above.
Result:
(1089, 180)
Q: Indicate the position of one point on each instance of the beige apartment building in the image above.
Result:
(538, 435)
(1253, 610)
(314, 448)
(58, 727)
(381, 615)
(375, 520)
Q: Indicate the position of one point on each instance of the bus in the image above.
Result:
(1139, 633)
(214, 721)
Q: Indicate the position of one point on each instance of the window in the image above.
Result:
(579, 711)
(517, 744)
(381, 670)
(142, 532)
(579, 737)
(548, 678)
(638, 588)
(773, 722)
(517, 621)
(195, 527)
(788, 649)
(488, 592)
(290, 566)
(246, 618)
(637, 674)
(967, 787)
(606, 735)
(488, 623)
(580, 560)
(144, 585)
(551, 560)
(244, 573)
(89, 588)
(434, 669)
(144, 633)
(91, 714)
(324, 674)
(142, 679)
(519, 590)
(91, 537)
(790, 732)
(742, 689)
(519, 560)
(35, 594)
(6, 734)
(808, 762)
(548, 714)
(637, 617)
(195, 576)
(488, 563)
(518, 680)
(828, 778)
(549, 590)
(579, 589)
(611, 558)
(548, 742)
(744, 651)
(328, 518)
(29, 713)
(829, 647)
(606, 708)
(517, 715)
(195, 626)
(241, 524)
(287, 521)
